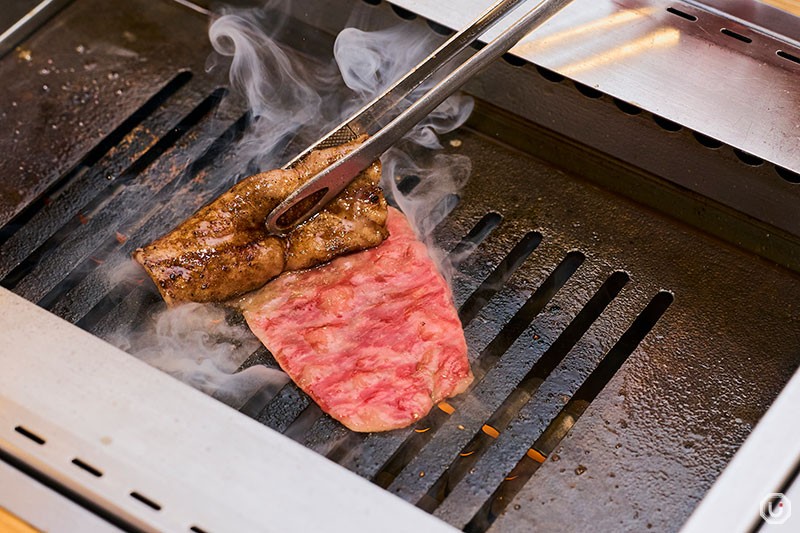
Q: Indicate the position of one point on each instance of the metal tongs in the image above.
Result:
(315, 194)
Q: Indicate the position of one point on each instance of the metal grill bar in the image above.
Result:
(426, 429)
(169, 209)
(104, 215)
(64, 199)
(500, 419)
(568, 416)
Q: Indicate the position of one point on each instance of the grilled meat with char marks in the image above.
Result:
(225, 250)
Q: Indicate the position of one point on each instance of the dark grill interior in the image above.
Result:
(588, 408)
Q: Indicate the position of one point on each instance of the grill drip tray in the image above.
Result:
(621, 357)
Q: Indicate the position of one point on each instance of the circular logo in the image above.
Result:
(775, 508)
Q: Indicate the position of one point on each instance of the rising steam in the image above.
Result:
(282, 90)
(292, 97)
(369, 62)
(196, 344)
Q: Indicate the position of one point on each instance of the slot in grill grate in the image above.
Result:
(569, 415)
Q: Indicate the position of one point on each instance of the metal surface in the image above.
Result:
(81, 85)
(21, 17)
(760, 15)
(763, 465)
(684, 70)
(331, 181)
(86, 399)
(44, 508)
(632, 414)
(370, 116)
(690, 373)
(745, 189)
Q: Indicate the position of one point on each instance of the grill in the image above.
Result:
(628, 285)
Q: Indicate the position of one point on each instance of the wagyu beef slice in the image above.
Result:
(372, 337)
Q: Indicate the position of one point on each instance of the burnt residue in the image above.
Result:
(66, 91)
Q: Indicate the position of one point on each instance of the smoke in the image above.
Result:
(295, 98)
(284, 91)
(196, 344)
(369, 62)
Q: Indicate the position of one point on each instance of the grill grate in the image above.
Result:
(28, 230)
(510, 407)
(558, 287)
(558, 428)
(100, 219)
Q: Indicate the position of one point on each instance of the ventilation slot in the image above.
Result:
(666, 124)
(748, 159)
(474, 238)
(791, 57)
(587, 91)
(572, 411)
(498, 277)
(681, 14)
(737, 36)
(407, 184)
(441, 30)
(625, 107)
(297, 429)
(259, 400)
(40, 272)
(427, 428)
(514, 60)
(439, 213)
(145, 500)
(96, 154)
(788, 175)
(403, 13)
(549, 75)
(707, 141)
(89, 468)
(512, 405)
(30, 434)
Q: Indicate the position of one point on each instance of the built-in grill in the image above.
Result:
(627, 284)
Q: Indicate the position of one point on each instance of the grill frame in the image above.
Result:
(558, 218)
